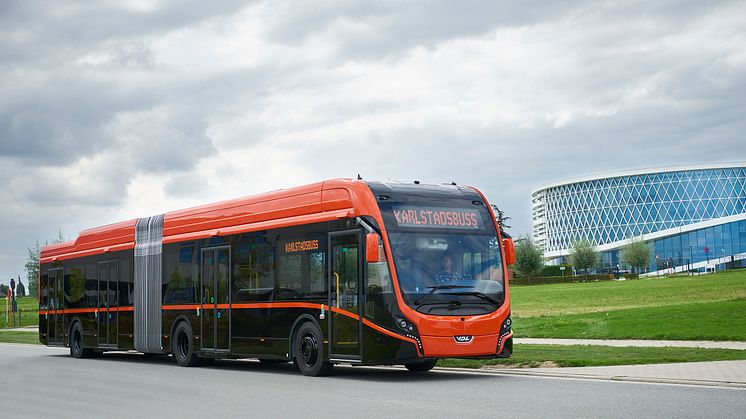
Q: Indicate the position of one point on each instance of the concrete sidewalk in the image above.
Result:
(717, 373)
(637, 343)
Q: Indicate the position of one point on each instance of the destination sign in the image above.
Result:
(301, 246)
(433, 217)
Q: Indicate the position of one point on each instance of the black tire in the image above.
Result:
(76, 343)
(423, 366)
(308, 351)
(182, 346)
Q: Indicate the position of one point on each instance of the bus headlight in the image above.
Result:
(507, 324)
(404, 324)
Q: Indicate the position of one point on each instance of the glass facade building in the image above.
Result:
(673, 208)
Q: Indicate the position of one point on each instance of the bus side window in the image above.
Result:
(43, 291)
(317, 269)
(253, 268)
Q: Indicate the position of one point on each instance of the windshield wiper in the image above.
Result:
(479, 295)
(420, 301)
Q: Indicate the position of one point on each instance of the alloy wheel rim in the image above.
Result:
(309, 350)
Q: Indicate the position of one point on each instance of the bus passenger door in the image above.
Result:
(215, 299)
(344, 296)
(107, 315)
(55, 320)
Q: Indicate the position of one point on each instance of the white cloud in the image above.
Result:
(115, 110)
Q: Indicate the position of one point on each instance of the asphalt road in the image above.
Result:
(36, 381)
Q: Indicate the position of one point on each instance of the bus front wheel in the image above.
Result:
(308, 351)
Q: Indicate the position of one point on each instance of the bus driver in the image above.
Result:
(446, 274)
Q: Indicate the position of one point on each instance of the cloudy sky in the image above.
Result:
(112, 110)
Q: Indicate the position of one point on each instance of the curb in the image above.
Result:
(618, 378)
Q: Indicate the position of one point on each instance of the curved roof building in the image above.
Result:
(695, 216)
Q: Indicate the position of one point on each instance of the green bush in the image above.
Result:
(631, 276)
(554, 270)
(561, 279)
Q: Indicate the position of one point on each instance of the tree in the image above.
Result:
(3, 291)
(20, 289)
(32, 262)
(529, 259)
(501, 218)
(583, 255)
(32, 267)
(636, 253)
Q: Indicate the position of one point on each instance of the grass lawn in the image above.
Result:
(574, 298)
(722, 320)
(28, 307)
(12, 336)
(530, 356)
(707, 307)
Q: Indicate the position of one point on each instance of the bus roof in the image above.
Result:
(321, 201)
(317, 202)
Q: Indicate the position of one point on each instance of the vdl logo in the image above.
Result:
(463, 338)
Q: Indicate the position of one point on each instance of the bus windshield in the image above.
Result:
(447, 273)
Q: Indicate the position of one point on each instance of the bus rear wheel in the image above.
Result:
(308, 351)
(76, 343)
(182, 346)
(423, 366)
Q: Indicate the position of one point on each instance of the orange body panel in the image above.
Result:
(322, 201)
(442, 346)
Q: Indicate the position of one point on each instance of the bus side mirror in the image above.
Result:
(509, 251)
(372, 241)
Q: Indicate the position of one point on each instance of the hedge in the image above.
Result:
(561, 279)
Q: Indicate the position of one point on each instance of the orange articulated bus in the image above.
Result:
(341, 271)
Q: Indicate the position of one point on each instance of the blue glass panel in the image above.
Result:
(717, 245)
(676, 248)
(727, 239)
(734, 239)
(710, 240)
(667, 248)
(699, 251)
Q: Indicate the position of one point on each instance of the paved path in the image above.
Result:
(716, 373)
(639, 343)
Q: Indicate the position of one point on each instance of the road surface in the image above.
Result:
(45, 382)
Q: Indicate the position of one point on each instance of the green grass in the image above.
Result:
(575, 298)
(12, 336)
(531, 356)
(28, 307)
(722, 320)
(707, 307)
